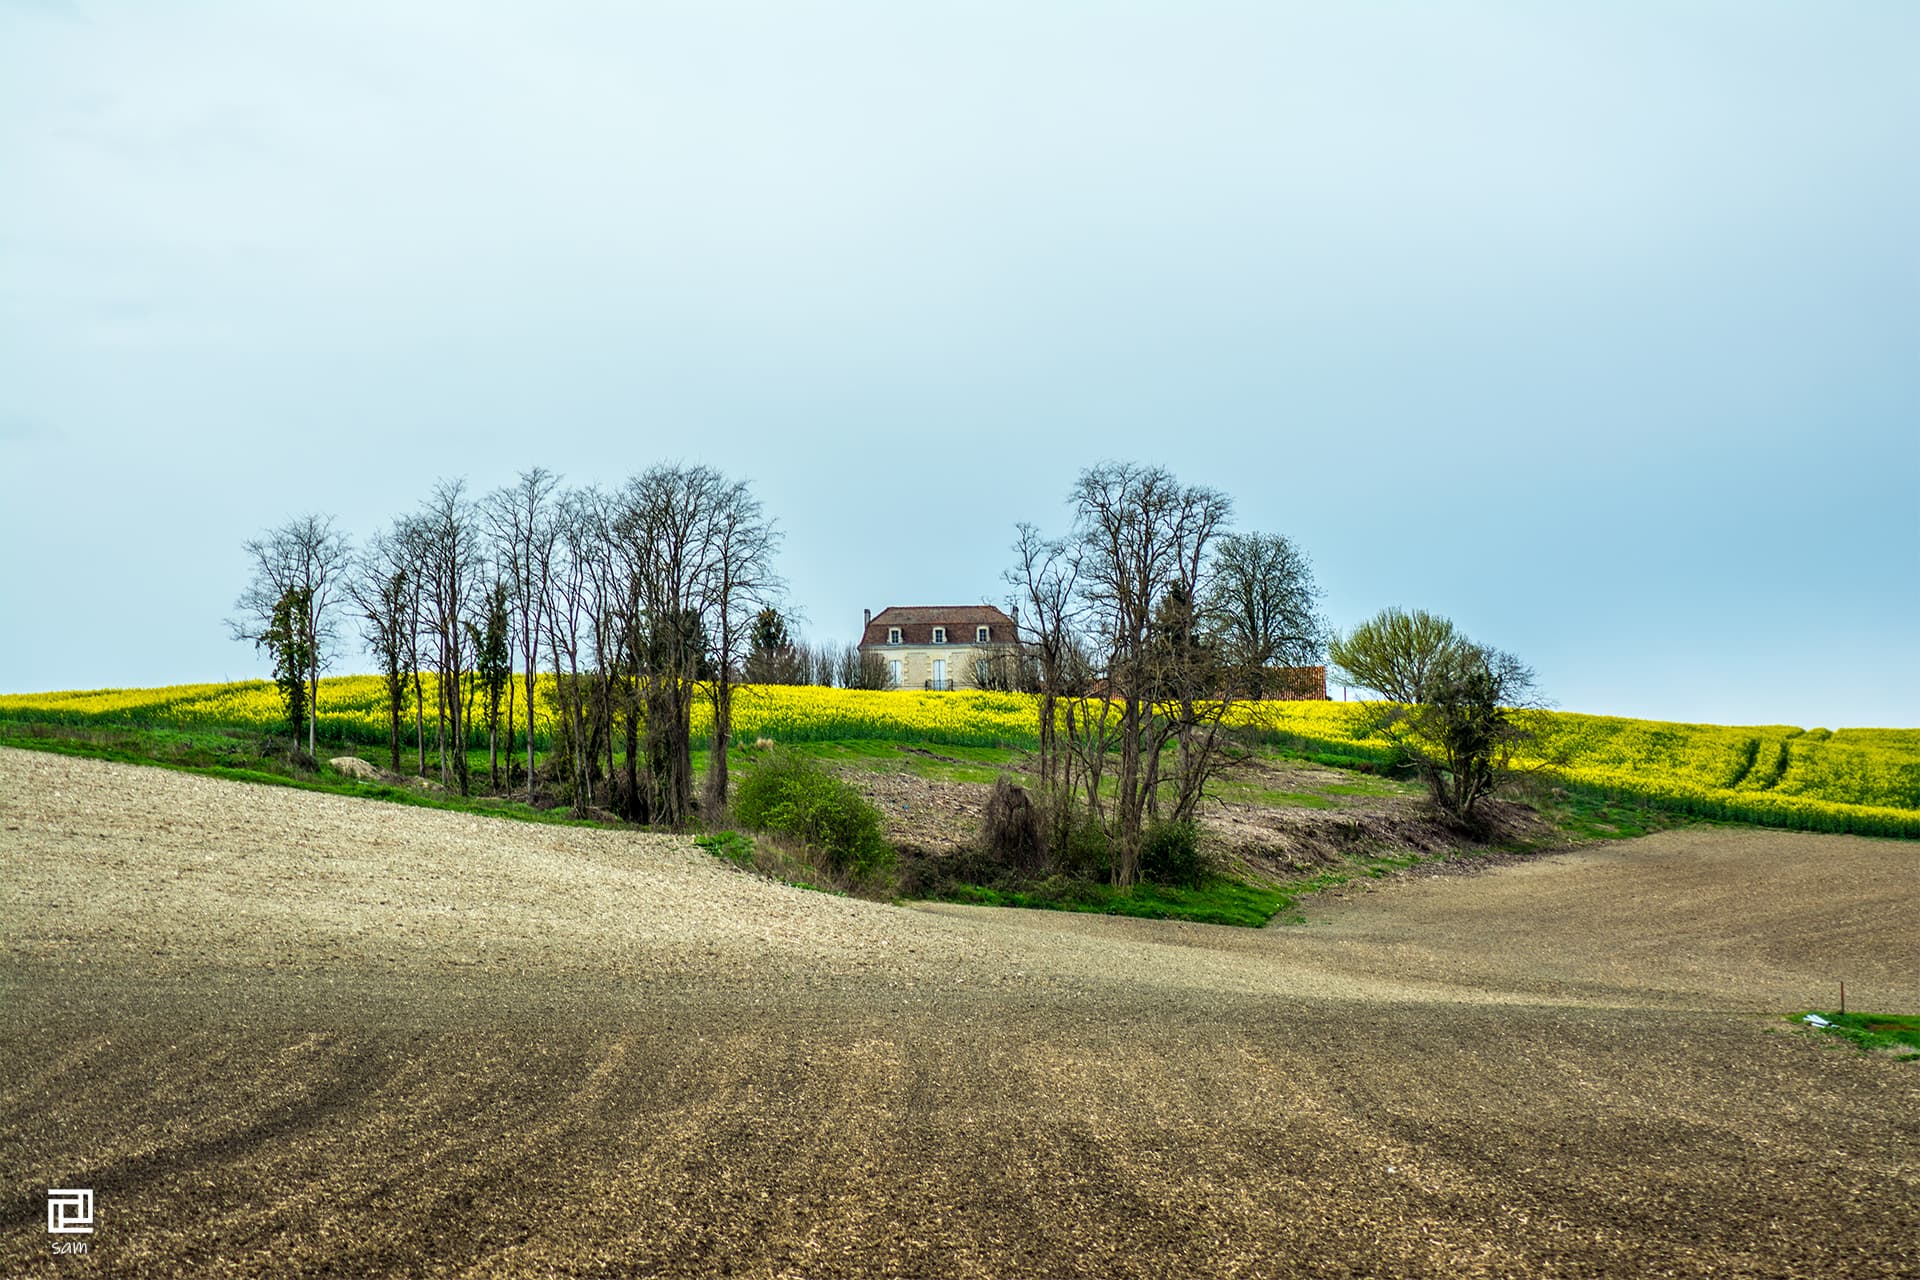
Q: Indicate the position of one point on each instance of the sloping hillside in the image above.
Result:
(283, 1033)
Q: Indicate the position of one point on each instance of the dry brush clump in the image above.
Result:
(1012, 834)
(1021, 840)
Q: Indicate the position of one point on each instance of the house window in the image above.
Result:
(893, 673)
(939, 635)
(893, 635)
(980, 634)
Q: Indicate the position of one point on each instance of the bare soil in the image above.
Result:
(282, 1033)
(926, 815)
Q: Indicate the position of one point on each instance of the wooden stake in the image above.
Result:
(1843, 999)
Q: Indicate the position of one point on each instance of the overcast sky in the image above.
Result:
(1596, 328)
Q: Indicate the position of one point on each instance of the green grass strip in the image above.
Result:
(1895, 1032)
(331, 784)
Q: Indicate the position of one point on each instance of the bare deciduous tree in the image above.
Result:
(386, 597)
(1142, 539)
(1111, 616)
(489, 638)
(1004, 669)
(576, 548)
(853, 669)
(524, 521)
(410, 549)
(450, 545)
(1045, 614)
(663, 529)
(823, 664)
(310, 556)
(740, 583)
(1261, 609)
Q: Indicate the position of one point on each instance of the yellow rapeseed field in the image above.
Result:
(1865, 780)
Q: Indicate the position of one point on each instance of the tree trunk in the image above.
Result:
(1187, 722)
(718, 742)
(606, 719)
(313, 682)
(1151, 751)
(460, 722)
(1126, 860)
(567, 695)
(683, 751)
(532, 678)
(637, 808)
(1047, 747)
(659, 751)
(509, 751)
(493, 740)
(396, 700)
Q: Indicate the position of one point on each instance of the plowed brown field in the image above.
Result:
(280, 1033)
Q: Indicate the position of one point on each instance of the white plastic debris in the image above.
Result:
(1816, 1020)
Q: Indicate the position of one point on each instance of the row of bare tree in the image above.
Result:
(639, 599)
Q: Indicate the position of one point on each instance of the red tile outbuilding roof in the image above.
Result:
(1296, 684)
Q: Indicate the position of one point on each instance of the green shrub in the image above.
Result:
(797, 796)
(1085, 853)
(1170, 855)
(729, 845)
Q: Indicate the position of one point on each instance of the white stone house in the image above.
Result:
(934, 646)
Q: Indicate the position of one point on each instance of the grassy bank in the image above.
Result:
(1573, 810)
(1895, 1033)
(1217, 899)
(239, 756)
(1864, 781)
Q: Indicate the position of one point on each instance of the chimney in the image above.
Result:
(864, 625)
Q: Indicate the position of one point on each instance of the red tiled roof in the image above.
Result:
(916, 623)
(1297, 684)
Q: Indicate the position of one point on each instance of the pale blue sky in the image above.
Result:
(1597, 329)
